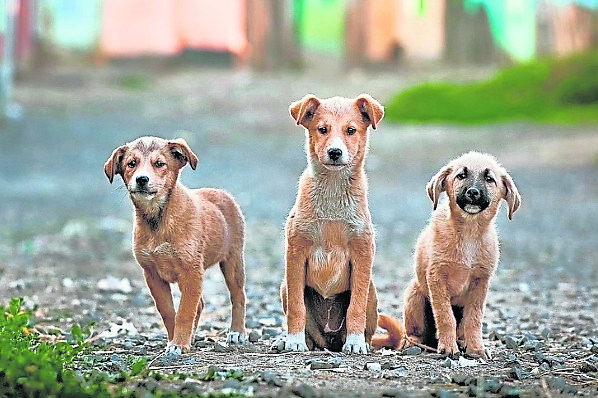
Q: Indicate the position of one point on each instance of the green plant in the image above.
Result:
(30, 367)
(560, 90)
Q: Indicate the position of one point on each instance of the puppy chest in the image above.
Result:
(162, 259)
(328, 271)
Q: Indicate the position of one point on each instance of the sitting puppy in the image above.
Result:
(455, 256)
(179, 232)
(328, 294)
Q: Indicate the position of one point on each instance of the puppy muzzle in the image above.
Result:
(473, 200)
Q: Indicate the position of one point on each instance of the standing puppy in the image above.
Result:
(179, 232)
(455, 256)
(328, 294)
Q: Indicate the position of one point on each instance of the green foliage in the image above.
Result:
(562, 90)
(30, 367)
(215, 373)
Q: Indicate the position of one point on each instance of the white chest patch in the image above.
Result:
(470, 252)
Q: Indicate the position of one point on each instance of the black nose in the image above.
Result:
(142, 180)
(334, 154)
(473, 194)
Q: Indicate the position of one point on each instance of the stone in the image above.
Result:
(511, 342)
(373, 367)
(413, 350)
(330, 363)
(304, 391)
(254, 336)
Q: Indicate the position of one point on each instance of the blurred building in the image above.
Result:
(271, 33)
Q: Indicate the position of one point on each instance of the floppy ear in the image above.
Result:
(436, 184)
(113, 165)
(511, 195)
(370, 109)
(181, 152)
(303, 110)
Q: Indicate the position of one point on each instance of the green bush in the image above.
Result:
(562, 90)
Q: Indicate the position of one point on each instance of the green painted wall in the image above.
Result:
(321, 24)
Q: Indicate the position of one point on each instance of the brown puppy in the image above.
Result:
(328, 294)
(179, 232)
(455, 256)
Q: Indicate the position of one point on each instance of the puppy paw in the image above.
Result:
(236, 338)
(449, 349)
(174, 350)
(295, 342)
(478, 352)
(355, 344)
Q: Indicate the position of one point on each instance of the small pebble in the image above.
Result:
(270, 332)
(511, 342)
(413, 350)
(254, 336)
(304, 391)
(515, 373)
(318, 363)
(373, 367)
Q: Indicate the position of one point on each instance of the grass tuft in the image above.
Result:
(558, 90)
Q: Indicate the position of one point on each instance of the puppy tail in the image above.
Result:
(396, 333)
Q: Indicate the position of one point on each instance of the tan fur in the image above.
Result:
(329, 234)
(455, 256)
(180, 232)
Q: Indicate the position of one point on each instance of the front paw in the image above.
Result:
(478, 351)
(448, 348)
(295, 342)
(174, 350)
(355, 344)
(236, 338)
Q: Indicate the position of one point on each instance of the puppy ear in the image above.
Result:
(511, 195)
(113, 165)
(370, 109)
(303, 110)
(181, 152)
(437, 184)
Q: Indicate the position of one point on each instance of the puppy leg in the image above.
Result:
(473, 314)
(234, 276)
(414, 314)
(200, 308)
(160, 291)
(295, 289)
(443, 311)
(185, 318)
(361, 253)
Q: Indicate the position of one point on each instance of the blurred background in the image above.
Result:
(517, 78)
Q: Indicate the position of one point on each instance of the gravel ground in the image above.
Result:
(65, 231)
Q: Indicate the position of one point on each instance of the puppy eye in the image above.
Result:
(351, 131)
(159, 164)
(462, 175)
(132, 164)
(322, 130)
(489, 179)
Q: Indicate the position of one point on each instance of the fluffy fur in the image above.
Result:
(180, 232)
(327, 293)
(455, 256)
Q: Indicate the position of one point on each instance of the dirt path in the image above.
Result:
(64, 228)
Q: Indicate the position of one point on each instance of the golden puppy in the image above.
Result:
(328, 294)
(179, 232)
(455, 256)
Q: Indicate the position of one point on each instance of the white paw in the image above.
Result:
(236, 338)
(295, 342)
(173, 350)
(355, 344)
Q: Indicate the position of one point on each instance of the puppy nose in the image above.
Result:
(142, 180)
(335, 153)
(472, 193)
